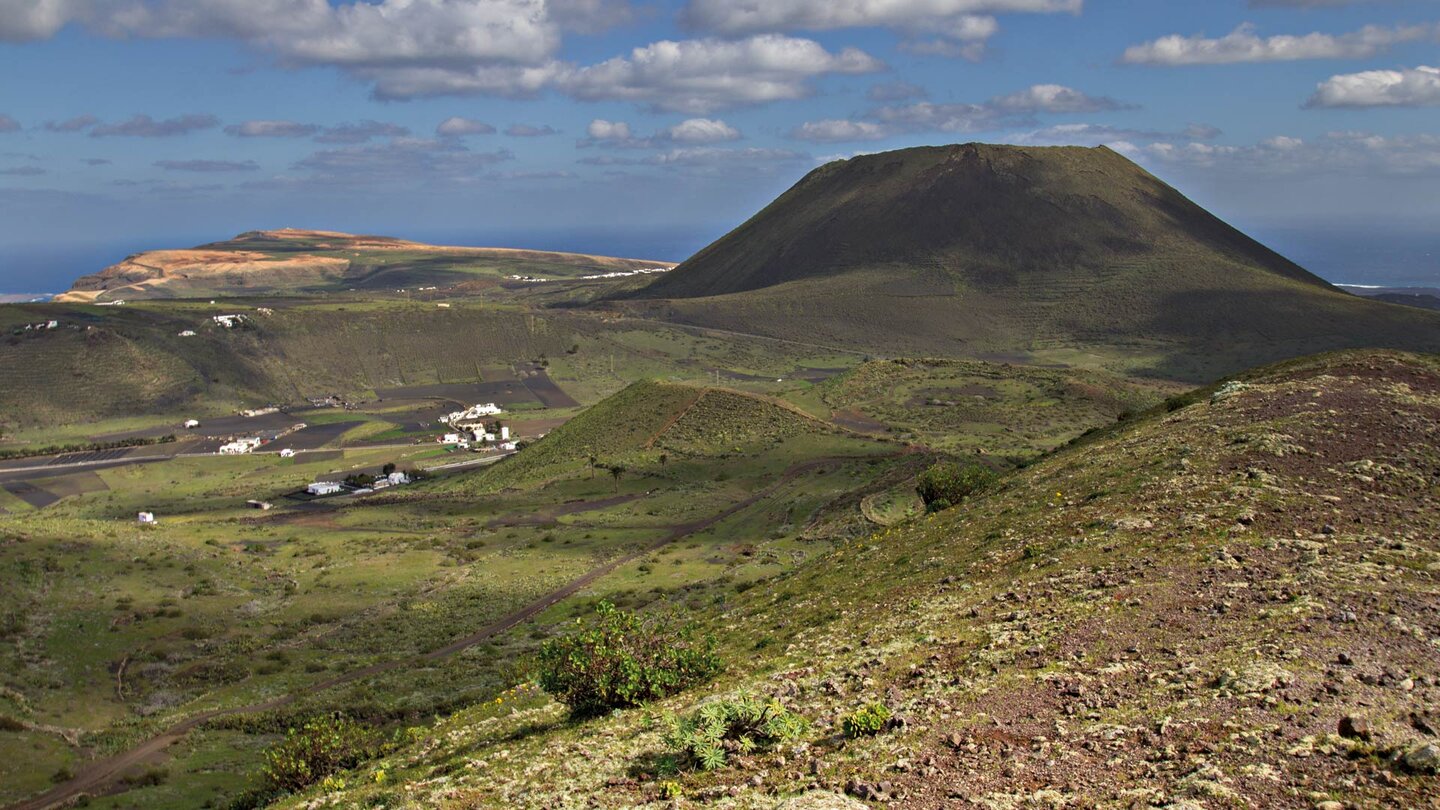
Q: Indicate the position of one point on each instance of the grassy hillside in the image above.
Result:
(121, 361)
(1177, 612)
(982, 408)
(1054, 253)
(651, 418)
(290, 261)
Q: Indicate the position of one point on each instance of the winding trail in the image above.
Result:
(103, 777)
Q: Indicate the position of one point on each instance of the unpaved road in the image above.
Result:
(103, 776)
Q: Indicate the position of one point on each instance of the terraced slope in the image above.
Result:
(305, 261)
(651, 418)
(1055, 253)
(1229, 602)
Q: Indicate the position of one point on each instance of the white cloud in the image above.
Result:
(271, 129)
(1243, 45)
(701, 130)
(1055, 98)
(406, 48)
(602, 130)
(952, 118)
(361, 132)
(1409, 87)
(455, 127)
(705, 75)
(832, 130)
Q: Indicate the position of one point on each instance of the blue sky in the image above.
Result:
(649, 128)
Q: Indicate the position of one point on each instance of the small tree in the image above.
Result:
(615, 472)
(947, 484)
(620, 661)
(388, 468)
(664, 459)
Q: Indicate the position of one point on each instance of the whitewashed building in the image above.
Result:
(324, 488)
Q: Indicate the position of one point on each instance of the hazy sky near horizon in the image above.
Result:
(652, 127)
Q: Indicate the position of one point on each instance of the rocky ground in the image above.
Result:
(1233, 602)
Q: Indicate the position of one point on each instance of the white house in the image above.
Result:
(397, 478)
(230, 321)
(145, 518)
(239, 447)
(323, 488)
(451, 438)
(188, 333)
(504, 433)
(508, 446)
(192, 423)
(287, 453)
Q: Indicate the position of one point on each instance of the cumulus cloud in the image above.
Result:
(403, 47)
(455, 127)
(77, 124)
(143, 126)
(691, 131)
(8, 124)
(952, 28)
(1243, 45)
(834, 130)
(530, 130)
(1097, 134)
(707, 159)
(207, 166)
(704, 75)
(701, 130)
(602, 130)
(271, 129)
(1409, 87)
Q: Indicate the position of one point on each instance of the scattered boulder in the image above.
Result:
(1355, 727)
(1423, 759)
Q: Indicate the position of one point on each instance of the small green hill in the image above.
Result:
(1034, 253)
(649, 418)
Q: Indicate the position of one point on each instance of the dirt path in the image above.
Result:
(103, 776)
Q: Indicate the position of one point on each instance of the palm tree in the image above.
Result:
(615, 472)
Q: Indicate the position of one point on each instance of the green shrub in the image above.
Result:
(946, 484)
(866, 721)
(621, 661)
(722, 727)
(321, 747)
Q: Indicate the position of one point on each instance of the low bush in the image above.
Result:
(946, 484)
(621, 660)
(319, 748)
(720, 728)
(866, 721)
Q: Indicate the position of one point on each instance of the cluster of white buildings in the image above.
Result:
(479, 435)
(240, 447)
(230, 321)
(40, 327)
(644, 271)
(322, 488)
(473, 414)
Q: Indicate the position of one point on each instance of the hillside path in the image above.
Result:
(102, 777)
